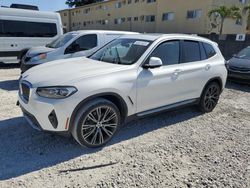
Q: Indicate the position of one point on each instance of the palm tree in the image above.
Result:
(246, 11)
(224, 12)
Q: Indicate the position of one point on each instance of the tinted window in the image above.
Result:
(203, 53)
(10, 28)
(87, 42)
(168, 52)
(191, 51)
(209, 50)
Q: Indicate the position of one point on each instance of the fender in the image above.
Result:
(107, 95)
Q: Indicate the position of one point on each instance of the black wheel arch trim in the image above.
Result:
(123, 109)
(216, 79)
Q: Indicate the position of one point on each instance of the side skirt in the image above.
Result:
(170, 107)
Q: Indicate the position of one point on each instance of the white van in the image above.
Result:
(72, 44)
(22, 29)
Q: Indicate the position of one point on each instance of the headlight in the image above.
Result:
(56, 92)
(39, 57)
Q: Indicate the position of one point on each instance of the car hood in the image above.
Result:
(68, 71)
(38, 50)
(240, 63)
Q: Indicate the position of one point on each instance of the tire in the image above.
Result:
(93, 130)
(210, 97)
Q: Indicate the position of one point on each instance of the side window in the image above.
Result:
(11, 28)
(87, 42)
(191, 51)
(168, 52)
(209, 50)
(203, 52)
(1, 27)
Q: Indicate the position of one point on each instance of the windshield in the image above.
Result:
(61, 41)
(122, 51)
(244, 54)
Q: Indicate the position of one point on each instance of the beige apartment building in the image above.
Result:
(158, 16)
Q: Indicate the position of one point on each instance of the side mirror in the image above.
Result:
(154, 62)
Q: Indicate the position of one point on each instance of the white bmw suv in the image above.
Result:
(133, 76)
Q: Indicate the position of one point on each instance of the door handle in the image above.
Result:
(177, 71)
(207, 67)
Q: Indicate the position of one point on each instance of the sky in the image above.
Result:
(44, 5)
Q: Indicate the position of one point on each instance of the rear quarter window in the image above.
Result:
(209, 49)
(191, 51)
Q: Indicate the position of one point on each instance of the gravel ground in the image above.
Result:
(182, 148)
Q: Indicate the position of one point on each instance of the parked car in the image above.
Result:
(72, 44)
(22, 29)
(239, 66)
(131, 77)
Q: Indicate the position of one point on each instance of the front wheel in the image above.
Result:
(96, 123)
(210, 97)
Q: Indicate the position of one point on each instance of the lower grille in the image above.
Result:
(25, 91)
(31, 119)
(239, 69)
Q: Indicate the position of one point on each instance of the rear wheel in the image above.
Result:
(210, 97)
(96, 123)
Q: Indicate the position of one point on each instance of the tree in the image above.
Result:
(77, 3)
(247, 12)
(223, 12)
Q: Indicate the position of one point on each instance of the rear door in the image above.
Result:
(192, 70)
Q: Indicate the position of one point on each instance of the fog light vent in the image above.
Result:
(53, 119)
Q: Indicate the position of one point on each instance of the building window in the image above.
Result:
(119, 20)
(129, 19)
(86, 11)
(118, 5)
(151, 1)
(105, 22)
(168, 16)
(150, 18)
(242, 1)
(136, 18)
(136, 1)
(129, 1)
(105, 7)
(238, 22)
(65, 14)
(192, 14)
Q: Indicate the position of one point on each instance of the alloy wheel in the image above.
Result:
(211, 97)
(99, 125)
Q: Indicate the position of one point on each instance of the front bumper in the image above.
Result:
(46, 114)
(238, 76)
